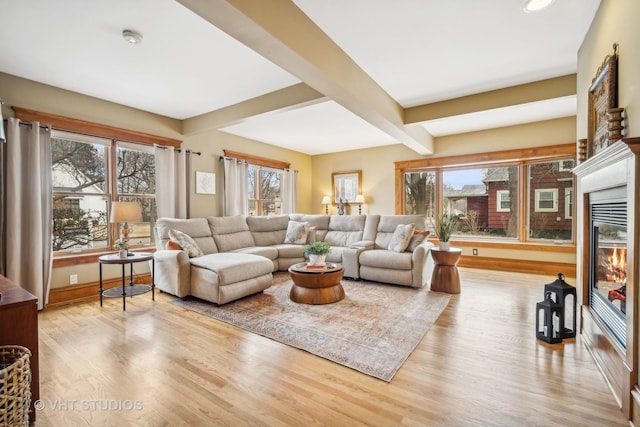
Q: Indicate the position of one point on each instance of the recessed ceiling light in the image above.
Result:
(536, 5)
(132, 37)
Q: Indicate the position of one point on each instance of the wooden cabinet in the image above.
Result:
(19, 326)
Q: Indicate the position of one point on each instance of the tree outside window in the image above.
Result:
(264, 190)
(81, 172)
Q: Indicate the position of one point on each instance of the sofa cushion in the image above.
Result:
(401, 237)
(268, 230)
(387, 226)
(231, 232)
(234, 267)
(197, 228)
(286, 250)
(297, 233)
(321, 222)
(383, 258)
(186, 243)
(345, 230)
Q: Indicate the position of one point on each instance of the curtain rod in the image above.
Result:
(197, 153)
(45, 127)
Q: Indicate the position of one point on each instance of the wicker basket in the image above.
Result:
(15, 385)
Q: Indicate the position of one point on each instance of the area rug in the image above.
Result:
(373, 329)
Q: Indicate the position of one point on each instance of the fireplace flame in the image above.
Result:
(616, 266)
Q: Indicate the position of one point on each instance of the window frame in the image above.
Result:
(516, 157)
(111, 192)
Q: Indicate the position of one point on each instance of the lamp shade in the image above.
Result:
(359, 199)
(125, 212)
(326, 200)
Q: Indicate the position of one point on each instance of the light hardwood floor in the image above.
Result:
(159, 365)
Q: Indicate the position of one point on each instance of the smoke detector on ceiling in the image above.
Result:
(132, 37)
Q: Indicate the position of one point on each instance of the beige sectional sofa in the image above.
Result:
(236, 255)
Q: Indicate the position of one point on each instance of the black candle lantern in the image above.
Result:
(565, 295)
(549, 318)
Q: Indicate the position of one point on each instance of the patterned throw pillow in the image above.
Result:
(186, 243)
(297, 233)
(400, 239)
(417, 238)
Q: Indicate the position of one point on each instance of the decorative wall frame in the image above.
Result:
(346, 186)
(205, 183)
(603, 96)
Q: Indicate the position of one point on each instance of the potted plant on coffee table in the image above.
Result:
(444, 227)
(317, 252)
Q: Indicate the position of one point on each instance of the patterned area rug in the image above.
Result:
(373, 329)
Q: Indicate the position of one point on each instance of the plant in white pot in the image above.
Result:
(122, 247)
(317, 252)
(444, 227)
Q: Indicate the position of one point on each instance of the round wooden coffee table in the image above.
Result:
(313, 285)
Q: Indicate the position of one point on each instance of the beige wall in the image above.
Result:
(615, 22)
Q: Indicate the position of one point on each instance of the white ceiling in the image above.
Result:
(418, 51)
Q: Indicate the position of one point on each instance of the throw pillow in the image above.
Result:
(172, 246)
(186, 243)
(311, 237)
(400, 239)
(297, 233)
(417, 238)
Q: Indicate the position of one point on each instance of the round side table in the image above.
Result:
(445, 276)
(132, 289)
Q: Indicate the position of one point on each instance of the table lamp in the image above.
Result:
(326, 201)
(125, 212)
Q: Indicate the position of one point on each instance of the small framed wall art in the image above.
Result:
(205, 183)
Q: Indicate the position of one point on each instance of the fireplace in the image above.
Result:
(607, 263)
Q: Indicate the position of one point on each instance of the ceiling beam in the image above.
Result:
(279, 31)
(289, 98)
(542, 90)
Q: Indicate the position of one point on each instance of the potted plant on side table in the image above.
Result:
(444, 228)
(317, 252)
(122, 247)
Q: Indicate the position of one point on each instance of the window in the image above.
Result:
(264, 190)
(85, 181)
(503, 201)
(488, 191)
(546, 200)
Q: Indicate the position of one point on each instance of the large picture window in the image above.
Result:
(515, 196)
(88, 173)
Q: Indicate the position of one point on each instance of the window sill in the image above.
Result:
(564, 247)
(90, 257)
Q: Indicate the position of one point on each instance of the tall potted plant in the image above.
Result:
(444, 227)
(317, 252)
